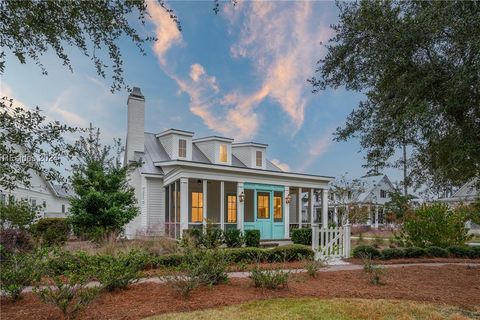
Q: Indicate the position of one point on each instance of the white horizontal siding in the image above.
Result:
(155, 205)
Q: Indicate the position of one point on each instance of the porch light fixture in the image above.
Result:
(288, 198)
(241, 197)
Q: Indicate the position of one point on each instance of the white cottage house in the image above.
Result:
(372, 192)
(185, 181)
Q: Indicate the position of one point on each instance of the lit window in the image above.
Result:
(259, 158)
(263, 205)
(182, 148)
(277, 207)
(231, 209)
(223, 153)
(197, 206)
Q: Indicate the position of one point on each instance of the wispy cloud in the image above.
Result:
(317, 148)
(165, 29)
(285, 167)
(281, 40)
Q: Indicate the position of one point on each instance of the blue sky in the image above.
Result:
(241, 73)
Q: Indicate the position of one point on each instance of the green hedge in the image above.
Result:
(52, 231)
(252, 238)
(417, 252)
(364, 250)
(302, 236)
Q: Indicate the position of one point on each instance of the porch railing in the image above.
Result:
(331, 242)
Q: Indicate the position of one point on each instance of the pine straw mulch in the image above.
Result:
(456, 285)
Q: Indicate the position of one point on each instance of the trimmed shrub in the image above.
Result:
(302, 236)
(365, 251)
(475, 252)
(252, 238)
(246, 255)
(52, 231)
(16, 273)
(461, 251)
(212, 238)
(115, 273)
(233, 238)
(61, 262)
(269, 279)
(14, 240)
(208, 266)
(292, 252)
(392, 253)
(414, 252)
(138, 259)
(436, 252)
(168, 260)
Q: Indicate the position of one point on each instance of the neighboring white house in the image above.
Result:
(465, 195)
(53, 199)
(372, 192)
(185, 181)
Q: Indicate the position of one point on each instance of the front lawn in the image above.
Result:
(311, 308)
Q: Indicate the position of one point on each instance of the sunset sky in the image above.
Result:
(240, 74)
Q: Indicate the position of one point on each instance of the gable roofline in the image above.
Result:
(250, 144)
(174, 131)
(212, 138)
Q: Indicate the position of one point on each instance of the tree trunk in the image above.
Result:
(405, 182)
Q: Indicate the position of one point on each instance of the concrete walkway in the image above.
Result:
(331, 268)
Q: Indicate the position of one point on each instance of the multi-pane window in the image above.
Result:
(231, 209)
(383, 193)
(263, 205)
(63, 208)
(259, 158)
(277, 207)
(197, 206)
(182, 148)
(223, 153)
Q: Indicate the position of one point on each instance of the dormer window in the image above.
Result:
(259, 158)
(223, 153)
(383, 194)
(182, 148)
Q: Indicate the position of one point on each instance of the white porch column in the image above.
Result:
(335, 215)
(325, 208)
(204, 200)
(286, 213)
(376, 217)
(369, 220)
(310, 206)
(299, 207)
(222, 205)
(183, 205)
(240, 206)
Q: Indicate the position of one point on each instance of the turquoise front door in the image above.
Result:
(268, 208)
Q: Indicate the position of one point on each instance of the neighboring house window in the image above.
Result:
(231, 208)
(383, 193)
(259, 158)
(223, 153)
(11, 199)
(277, 207)
(263, 207)
(349, 194)
(197, 206)
(44, 204)
(182, 148)
(3, 198)
(63, 208)
(33, 202)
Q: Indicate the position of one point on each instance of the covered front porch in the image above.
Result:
(272, 208)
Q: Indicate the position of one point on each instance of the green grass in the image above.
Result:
(311, 308)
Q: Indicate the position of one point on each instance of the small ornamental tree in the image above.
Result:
(435, 225)
(104, 202)
(17, 214)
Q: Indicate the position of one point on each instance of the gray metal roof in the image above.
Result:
(63, 191)
(272, 166)
(198, 156)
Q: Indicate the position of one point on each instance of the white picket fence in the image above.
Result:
(331, 242)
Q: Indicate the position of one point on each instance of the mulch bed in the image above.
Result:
(417, 260)
(453, 285)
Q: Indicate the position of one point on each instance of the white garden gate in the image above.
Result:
(331, 242)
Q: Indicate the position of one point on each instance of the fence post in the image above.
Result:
(346, 240)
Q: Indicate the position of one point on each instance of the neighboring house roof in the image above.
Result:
(63, 191)
(370, 183)
(467, 192)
